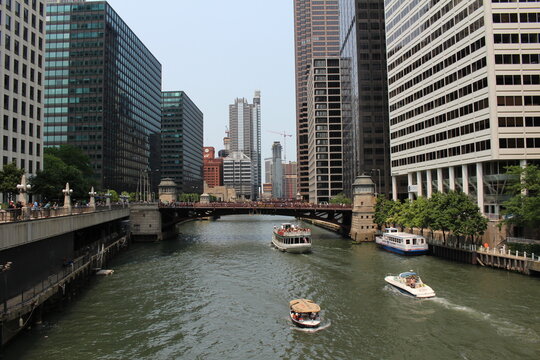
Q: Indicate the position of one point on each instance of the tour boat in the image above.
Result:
(411, 284)
(305, 313)
(402, 243)
(291, 238)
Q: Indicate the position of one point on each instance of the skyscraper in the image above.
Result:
(182, 142)
(325, 136)
(213, 167)
(289, 180)
(237, 174)
(316, 34)
(245, 135)
(365, 94)
(22, 64)
(277, 171)
(103, 91)
(465, 103)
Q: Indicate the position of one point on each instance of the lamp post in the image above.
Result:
(378, 190)
(108, 199)
(123, 198)
(4, 268)
(92, 194)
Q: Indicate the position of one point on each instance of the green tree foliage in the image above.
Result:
(114, 196)
(50, 182)
(421, 216)
(189, 197)
(523, 208)
(463, 216)
(386, 211)
(340, 199)
(10, 176)
(73, 156)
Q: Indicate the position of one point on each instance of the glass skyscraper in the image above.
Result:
(102, 91)
(182, 142)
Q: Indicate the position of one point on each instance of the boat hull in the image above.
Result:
(403, 252)
(421, 292)
(291, 248)
(306, 324)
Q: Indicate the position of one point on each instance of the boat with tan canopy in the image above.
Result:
(305, 313)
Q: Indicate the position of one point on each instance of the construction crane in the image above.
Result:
(284, 134)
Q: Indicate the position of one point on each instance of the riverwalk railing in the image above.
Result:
(25, 214)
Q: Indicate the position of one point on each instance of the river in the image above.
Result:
(220, 291)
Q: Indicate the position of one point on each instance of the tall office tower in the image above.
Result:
(316, 34)
(268, 170)
(212, 167)
(245, 134)
(237, 173)
(182, 142)
(102, 91)
(325, 136)
(22, 64)
(289, 180)
(365, 98)
(464, 103)
(277, 171)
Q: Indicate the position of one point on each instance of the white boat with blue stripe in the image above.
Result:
(402, 243)
(410, 283)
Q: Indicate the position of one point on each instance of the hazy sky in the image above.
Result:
(218, 50)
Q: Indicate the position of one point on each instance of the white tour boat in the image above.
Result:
(291, 238)
(411, 284)
(305, 313)
(402, 243)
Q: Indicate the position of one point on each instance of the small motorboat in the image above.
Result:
(410, 283)
(305, 313)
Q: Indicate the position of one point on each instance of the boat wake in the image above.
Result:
(502, 326)
(307, 330)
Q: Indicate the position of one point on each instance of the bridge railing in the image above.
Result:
(24, 214)
(259, 205)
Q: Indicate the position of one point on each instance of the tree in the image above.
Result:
(466, 218)
(438, 206)
(10, 176)
(53, 178)
(340, 199)
(73, 156)
(523, 208)
(422, 217)
(114, 195)
(386, 211)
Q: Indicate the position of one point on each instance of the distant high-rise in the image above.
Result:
(277, 171)
(289, 180)
(464, 103)
(245, 135)
(365, 91)
(182, 142)
(237, 174)
(316, 34)
(102, 91)
(22, 63)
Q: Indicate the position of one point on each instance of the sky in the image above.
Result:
(217, 51)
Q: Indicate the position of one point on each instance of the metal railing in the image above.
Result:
(25, 214)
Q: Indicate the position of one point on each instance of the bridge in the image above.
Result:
(152, 221)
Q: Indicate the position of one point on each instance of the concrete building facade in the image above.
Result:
(316, 34)
(325, 136)
(277, 171)
(23, 64)
(212, 167)
(464, 96)
(237, 174)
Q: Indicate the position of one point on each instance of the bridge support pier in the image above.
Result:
(146, 222)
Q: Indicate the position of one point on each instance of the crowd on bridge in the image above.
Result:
(255, 204)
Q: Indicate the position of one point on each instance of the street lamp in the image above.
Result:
(3, 268)
(23, 188)
(67, 198)
(92, 194)
(379, 180)
(123, 198)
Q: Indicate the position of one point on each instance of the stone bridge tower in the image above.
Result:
(362, 226)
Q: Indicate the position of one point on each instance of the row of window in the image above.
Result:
(22, 148)
(24, 106)
(442, 118)
(513, 18)
(449, 79)
(517, 80)
(441, 154)
(513, 1)
(437, 33)
(14, 86)
(518, 100)
(405, 13)
(450, 60)
(532, 38)
(442, 136)
(519, 143)
(27, 34)
(469, 49)
(512, 121)
(429, 22)
(454, 95)
(23, 128)
(29, 169)
(510, 59)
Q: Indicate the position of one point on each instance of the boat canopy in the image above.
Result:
(409, 273)
(304, 306)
